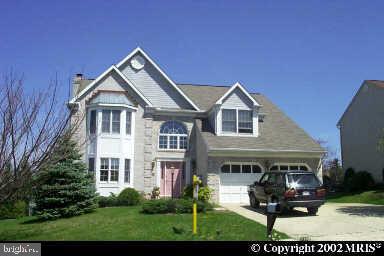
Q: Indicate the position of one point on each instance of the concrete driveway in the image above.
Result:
(333, 221)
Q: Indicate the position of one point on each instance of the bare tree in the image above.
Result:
(30, 127)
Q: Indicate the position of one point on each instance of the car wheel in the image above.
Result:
(312, 210)
(253, 201)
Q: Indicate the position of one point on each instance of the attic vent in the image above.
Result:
(137, 62)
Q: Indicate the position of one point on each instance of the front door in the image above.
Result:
(172, 179)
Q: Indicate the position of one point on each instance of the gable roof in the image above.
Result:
(376, 83)
(104, 74)
(234, 87)
(139, 50)
(204, 96)
(277, 131)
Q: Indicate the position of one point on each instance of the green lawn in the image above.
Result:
(126, 223)
(367, 197)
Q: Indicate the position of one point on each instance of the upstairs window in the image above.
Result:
(173, 135)
(128, 122)
(92, 122)
(237, 121)
(229, 120)
(110, 121)
(245, 121)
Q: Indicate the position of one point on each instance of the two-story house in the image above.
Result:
(140, 129)
(361, 127)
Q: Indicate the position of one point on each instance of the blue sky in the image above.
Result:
(308, 57)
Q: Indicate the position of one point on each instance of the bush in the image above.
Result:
(204, 193)
(349, 173)
(173, 206)
(129, 196)
(107, 201)
(360, 181)
(13, 210)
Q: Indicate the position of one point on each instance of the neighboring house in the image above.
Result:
(361, 127)
(143, 130)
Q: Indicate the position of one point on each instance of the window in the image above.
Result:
(241, 168)
(115, 121)
(226, 168)
(246, 168)
(173, 142)
(163, 141)
(274, 168)
(237, 121)
(104, 167)
(114, 169)
(235, 168)
(106, 119)
(92, 122)
(256, 169)
(127, 171)
(128, 122)
(110, 121)
(109, 169)
(183, 142)
(291, 167)
(91, 166)
(229, 120)
(245, 121)
(173, 135)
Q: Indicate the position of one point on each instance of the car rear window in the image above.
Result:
(303, 180)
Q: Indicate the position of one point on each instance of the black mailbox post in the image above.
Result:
(272, 210)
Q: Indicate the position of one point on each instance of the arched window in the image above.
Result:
(173, 135)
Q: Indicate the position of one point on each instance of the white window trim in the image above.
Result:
(130, 172)
(109, 171)
(289, 164)
(219, 121)
(111, 121)
(241, 167)
(178, 149)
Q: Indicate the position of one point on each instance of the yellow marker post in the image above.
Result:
(196, 182)
(194, 228)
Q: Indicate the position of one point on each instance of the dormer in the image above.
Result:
(236, 113)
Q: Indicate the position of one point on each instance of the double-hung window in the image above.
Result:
(245, 121)
(237, 121)
(109, 169)
(128, 122)
(110, 121)
(92, 121)
(229, 120)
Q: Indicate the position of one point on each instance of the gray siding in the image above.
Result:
(360, 131)
(110, 97)
(237, 99)
(155, 87)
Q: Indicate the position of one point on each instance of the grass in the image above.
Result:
(366, 197)
(127, 223)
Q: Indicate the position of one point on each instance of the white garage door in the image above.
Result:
(234, 185)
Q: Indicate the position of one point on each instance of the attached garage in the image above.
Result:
(234, 179)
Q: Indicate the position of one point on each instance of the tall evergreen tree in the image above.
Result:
(64, 188)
